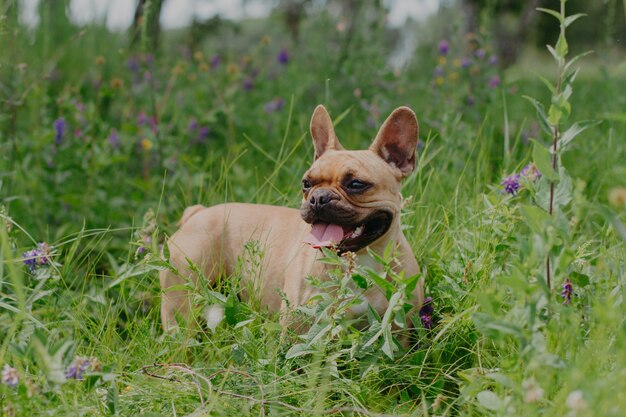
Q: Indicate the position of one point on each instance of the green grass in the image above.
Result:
(499, 337)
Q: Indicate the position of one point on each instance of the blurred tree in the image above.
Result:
(55, 27)
(146, 28)
(213, 26)
(604, 25)
(508, 20)
(294, 11)
(515, 22)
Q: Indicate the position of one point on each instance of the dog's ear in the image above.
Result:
(323, 133)
(397, 139)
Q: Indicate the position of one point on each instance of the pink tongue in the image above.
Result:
(324, 235)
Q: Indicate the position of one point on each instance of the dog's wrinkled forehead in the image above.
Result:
(336, 166)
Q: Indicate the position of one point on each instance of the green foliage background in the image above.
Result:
(503, 343)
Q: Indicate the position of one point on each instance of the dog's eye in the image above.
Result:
(306, 184)
(356, 185)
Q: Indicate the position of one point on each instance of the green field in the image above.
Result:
(103, 146)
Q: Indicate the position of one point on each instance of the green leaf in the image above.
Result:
(619, 227)
(232, 309)
(359, 280)
(389, 345)
(297, 350)
(112, 399)
(543, 160)
(400, 318)
(571, 19)
(410, 284)
(554, 114)
(547, 82)
(561, 46)
(579, 279)
(574, 130)
(551, 13)
(380, 281)
(386, 319)
(575, 59)
(541, 114)
(489, 400)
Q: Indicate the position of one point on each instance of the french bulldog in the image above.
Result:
(350, 201)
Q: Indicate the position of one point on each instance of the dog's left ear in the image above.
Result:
(397, 139)
(323, 133)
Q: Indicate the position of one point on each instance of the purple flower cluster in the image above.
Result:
(37, 257)
(144, 120)
(80, 365)
(494, 81)
(283, 57)
(426, 313)
(199, 133)
(567, 291)
(512, 184)
(444, 47)
(274, 105)
(10, 376)
(114, 139)
(60, 127)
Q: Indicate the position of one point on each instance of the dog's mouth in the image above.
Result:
(349, 238)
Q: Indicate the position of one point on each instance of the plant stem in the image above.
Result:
(561, 65)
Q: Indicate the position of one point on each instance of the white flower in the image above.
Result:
(575, 401)
(9, 376)
(214, 314)
(532, 391)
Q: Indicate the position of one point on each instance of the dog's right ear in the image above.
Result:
(323, 133)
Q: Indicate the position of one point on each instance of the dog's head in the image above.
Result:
(352, 198)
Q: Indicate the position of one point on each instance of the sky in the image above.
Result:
(179, 13)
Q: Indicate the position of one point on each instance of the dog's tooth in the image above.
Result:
(357, 232)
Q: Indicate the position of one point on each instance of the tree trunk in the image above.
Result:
(146, 28)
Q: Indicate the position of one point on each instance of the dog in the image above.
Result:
(351, 201)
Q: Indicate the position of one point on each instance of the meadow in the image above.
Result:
(103, 146)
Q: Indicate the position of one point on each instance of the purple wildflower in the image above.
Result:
(154, 124)
(567, 292)
(216, 60)
(203, 133)
(438, 71)
(531, 172)
(149, 59)
(37, 257)
(466, 62)
(511, 184)
(493, 60)
(114, 139)
(283, 57)
(494, 81)
(480, 53)
(274, 105)
(444, 47)
(78, 366)
(59, 129)
(193, 125)
(133, 64)
(10, 376)
(248, 84)
(142, 119)
(141, 250)
(426, 313)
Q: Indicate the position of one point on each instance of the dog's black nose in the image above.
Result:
(320, 198)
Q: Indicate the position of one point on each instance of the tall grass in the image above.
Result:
(500, 344)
